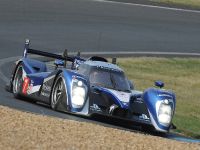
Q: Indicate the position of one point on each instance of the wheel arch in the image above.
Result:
(54, 80)
(62, 104)
(13, 74)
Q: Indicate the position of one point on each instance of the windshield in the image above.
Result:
(109, 79)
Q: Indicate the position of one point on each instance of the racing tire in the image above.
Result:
(18, 82)
(58, 93)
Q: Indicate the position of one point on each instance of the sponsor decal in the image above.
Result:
(164, 95)
(95, 107)
(30, 88)
(25, 85)
(34, 89)
(143, 117)
(45, 94)
(46, 88)
(122, 96)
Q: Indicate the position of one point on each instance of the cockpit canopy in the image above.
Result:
(103, 76)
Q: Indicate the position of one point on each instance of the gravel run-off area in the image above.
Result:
(22, 130)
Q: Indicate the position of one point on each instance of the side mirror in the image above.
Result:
(131, 85)
(114, 60)
(159, 84)
(59, 62)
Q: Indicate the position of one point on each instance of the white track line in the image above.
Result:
(150, 6)
(127, 53)
(3, 61)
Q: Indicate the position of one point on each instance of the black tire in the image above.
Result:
(58, 94)
(18, 82)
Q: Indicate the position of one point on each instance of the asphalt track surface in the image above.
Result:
(89, 25)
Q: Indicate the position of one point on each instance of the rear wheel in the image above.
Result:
(17, 82)
(58, 93)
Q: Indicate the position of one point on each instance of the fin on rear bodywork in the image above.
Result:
(26, 47)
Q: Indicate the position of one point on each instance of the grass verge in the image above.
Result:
(188, 3)
(179, 74)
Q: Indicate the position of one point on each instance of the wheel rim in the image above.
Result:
(17, 84)
(58, 91)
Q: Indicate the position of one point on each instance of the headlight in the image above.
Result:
(79, 90)
(164, 113)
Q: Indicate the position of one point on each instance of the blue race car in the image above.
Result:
(91, 86)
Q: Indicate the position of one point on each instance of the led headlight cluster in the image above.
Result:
(164, 112)
(79, 91)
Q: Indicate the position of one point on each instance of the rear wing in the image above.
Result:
(65, 57)
(28, 50)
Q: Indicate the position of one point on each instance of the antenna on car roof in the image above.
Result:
(114, 60)
(65, 55)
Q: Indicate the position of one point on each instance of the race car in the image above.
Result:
(91, 86)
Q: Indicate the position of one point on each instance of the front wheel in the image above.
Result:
(58, 93)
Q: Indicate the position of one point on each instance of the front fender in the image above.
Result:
(153, 97)
(68, 77)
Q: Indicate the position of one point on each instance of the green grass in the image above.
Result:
(190, 3)
(179, 74)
